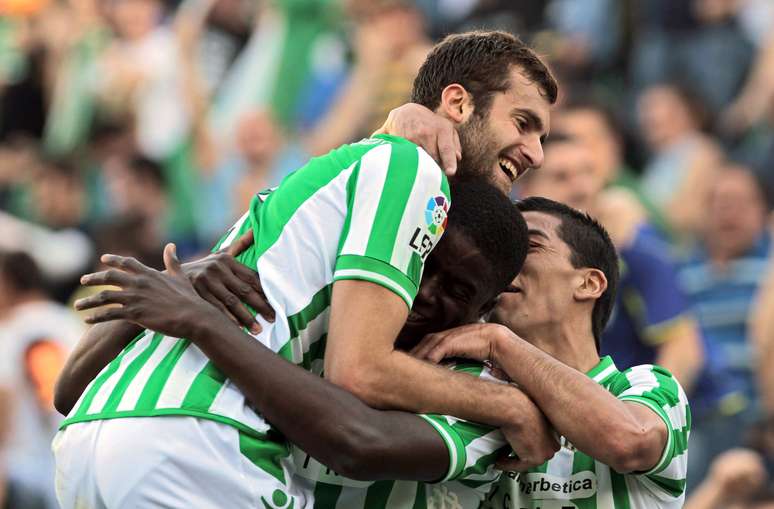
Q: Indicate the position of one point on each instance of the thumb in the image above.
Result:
(171, 263)
(239, 245)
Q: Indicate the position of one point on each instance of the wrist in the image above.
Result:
(204, 322)
(501, 344)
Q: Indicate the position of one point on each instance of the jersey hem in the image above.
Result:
(457, 456)
(666, 455)
(165, 412)
(352, 262)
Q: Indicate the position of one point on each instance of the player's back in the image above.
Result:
(350, 214)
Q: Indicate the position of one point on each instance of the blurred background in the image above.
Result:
(128, 123)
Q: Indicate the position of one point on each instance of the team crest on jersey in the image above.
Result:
(436, 214)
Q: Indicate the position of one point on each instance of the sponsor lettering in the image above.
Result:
(421, 242)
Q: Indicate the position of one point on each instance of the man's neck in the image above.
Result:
(566, 344)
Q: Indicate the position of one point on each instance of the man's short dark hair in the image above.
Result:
(148, 169)
(20, 271)
(590, 246)
(481, 62)
(493, 224)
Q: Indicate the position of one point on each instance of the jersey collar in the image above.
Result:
(603, 371)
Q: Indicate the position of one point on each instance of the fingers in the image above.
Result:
(103, 298)
(251, 293)
(447, 151)
(227, 296)
(171, 263)
(124, 263)
(246, 285)
(107, 277)
(243, 242)
(433, 347)
(209, 297)
(107, 315)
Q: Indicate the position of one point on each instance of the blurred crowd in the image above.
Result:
(128, 123)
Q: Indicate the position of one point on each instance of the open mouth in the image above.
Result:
(513, 289)
(510, 167)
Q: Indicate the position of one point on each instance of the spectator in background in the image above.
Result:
(682, 159)
(390, 44)
(696, 41)
(58, 197)
(721, 279)
(264, 156)
(596, 126)
(137, 187)
(36, 335)
(650, 323)
(138, 73)
(734, 479)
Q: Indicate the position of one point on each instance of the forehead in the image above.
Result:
(524, 94)
(541, 223)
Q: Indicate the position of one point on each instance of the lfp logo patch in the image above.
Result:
(436, 214)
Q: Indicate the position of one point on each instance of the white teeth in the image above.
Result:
(508, 165)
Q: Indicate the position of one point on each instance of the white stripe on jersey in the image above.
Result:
(135, 388)
(373, 173)
(182, 376)
(102, 396)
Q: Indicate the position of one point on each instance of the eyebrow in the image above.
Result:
(534, 121)
(539, 233)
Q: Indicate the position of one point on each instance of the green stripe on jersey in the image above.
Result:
(150, 395)
(401, 174)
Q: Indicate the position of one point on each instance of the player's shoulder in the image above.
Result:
(401, 154)
(649, 378)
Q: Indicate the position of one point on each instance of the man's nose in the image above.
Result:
(533, 151)
(428, 290)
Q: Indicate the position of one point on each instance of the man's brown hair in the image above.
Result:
(481, 62)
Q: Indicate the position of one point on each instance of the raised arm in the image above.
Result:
(626, 435)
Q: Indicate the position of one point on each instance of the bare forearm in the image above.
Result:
(394, 386)
(586, 414)
(100, 345)
(326, 421)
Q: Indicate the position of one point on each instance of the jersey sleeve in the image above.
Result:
(397, 202)
(656, 388)
(473, 448)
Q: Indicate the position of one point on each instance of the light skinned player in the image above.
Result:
(336, 284)
(624, 434)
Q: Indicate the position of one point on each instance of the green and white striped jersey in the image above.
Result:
(473, 449)
(371, 211)
(572, 479)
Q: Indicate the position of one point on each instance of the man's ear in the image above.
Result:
(592, 285)
(456, 103)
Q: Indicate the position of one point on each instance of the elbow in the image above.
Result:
(633, 451)
(63, 402)
(357, 453)
(65, 394)
(361, 381)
